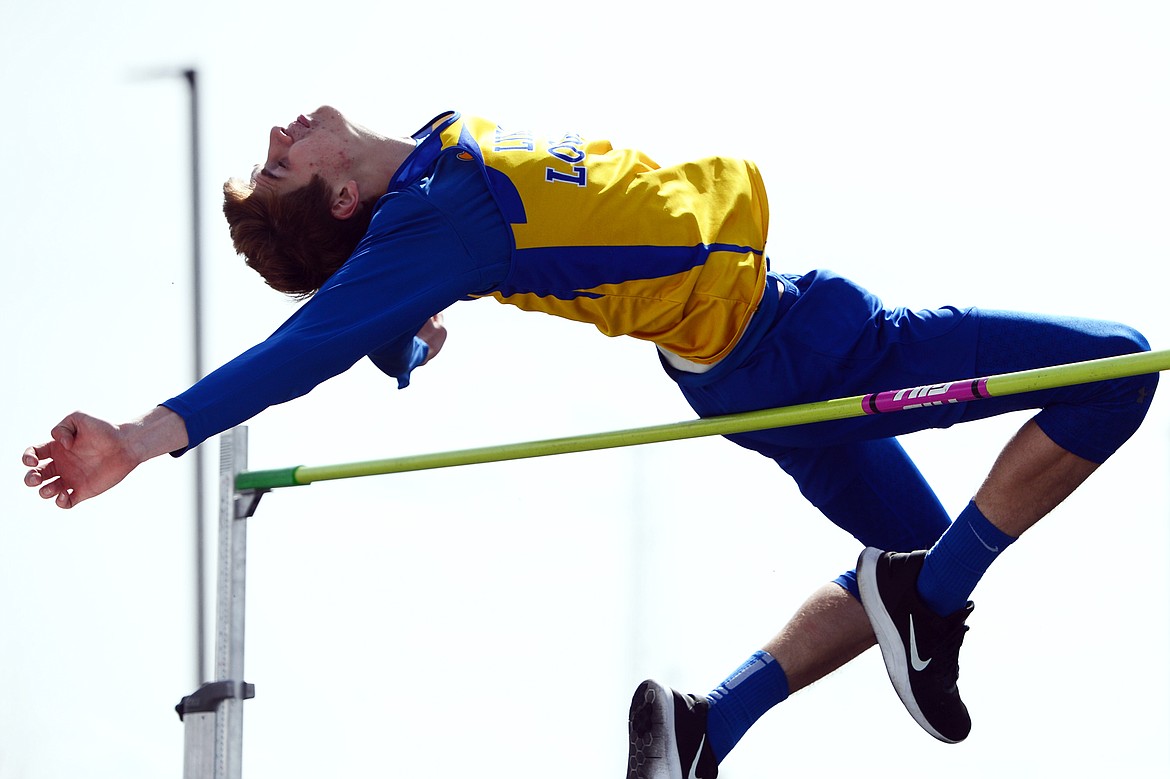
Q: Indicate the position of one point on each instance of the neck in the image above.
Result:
(385, 156)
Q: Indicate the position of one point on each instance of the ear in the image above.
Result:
(346, 203)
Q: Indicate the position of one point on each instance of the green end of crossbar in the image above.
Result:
(267, 480)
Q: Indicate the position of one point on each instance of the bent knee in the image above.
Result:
(1127, 340)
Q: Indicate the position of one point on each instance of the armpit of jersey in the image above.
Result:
(507, 197)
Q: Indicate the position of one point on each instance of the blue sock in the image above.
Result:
(736, 704)
(958, 560)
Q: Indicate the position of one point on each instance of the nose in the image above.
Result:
(278, 143)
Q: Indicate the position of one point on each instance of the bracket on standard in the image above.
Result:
(208, 697)
(246, 502)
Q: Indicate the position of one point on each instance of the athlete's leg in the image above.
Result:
(836, 340)
(671, 732)
(918, 603)
(871, 489)
(1077, 426)
(1031, 476)
(874, 491)
(827, 631)
(1076, 429)
(868, 487)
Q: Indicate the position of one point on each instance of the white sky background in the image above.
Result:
(493, 620)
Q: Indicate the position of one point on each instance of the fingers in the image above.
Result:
(42, 477)
(41, 461)
(33, 457)
(52, 488)
(34, 454)
(65, 431)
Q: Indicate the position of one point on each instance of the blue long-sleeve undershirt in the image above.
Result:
(431, 243)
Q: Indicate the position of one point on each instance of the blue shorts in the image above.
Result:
(820, 336)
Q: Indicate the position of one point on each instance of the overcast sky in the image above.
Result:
(493, 620)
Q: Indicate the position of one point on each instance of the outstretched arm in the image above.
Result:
(88, 456)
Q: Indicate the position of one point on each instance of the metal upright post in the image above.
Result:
(191, 76)
(213, 714)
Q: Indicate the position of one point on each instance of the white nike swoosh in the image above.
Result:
(695, 764)
(915, 660)
(987, 546)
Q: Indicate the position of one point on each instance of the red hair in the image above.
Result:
(293, 240)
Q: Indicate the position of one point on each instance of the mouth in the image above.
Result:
(298, 128)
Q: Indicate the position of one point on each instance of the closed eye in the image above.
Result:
(261, 172)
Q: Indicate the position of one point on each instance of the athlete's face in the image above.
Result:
(320, 143)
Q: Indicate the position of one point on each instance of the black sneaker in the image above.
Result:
(668, 735)
(920, 648)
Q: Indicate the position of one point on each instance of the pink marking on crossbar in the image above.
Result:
(929, 395)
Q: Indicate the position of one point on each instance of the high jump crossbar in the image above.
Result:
(960, 391)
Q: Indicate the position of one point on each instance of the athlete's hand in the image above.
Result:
(85, 457)
(434, 335)
(88, 456)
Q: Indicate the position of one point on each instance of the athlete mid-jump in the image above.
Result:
(382, 233)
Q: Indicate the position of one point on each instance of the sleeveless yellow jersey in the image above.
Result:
(671, 255)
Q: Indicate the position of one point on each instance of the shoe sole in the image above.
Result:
(889, 639)
(665, 767)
